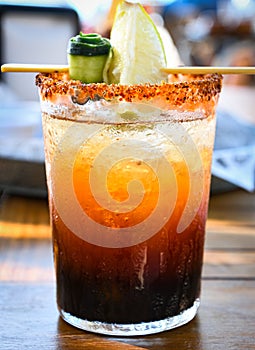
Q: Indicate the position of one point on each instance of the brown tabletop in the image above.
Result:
(29, 317)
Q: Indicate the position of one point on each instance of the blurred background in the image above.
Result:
(205, 32)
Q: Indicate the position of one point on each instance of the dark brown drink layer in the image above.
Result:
(101, 284)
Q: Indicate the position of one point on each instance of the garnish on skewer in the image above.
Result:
(87, 55)
(138, 50)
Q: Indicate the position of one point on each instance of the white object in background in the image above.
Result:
(236, 165)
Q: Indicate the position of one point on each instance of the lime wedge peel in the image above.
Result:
(138, 51)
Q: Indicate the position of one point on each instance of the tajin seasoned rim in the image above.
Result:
(182, 91)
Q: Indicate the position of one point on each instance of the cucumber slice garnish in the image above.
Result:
(87, 55)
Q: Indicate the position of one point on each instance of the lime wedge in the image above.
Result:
(138, 51)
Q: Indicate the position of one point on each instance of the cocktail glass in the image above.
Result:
(128, 173)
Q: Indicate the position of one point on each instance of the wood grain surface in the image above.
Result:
(29, 316)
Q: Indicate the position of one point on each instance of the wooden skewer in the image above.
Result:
(49, 68)
(34, 68)
(206, 70)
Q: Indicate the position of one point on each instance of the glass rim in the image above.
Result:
(179, 90)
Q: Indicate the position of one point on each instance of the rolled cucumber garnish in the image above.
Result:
(87, 55)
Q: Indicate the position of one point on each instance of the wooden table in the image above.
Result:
(29, 318)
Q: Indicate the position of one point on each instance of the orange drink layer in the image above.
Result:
(128, 172)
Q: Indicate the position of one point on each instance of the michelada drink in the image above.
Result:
(128, 160)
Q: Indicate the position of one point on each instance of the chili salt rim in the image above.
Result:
(182, 90)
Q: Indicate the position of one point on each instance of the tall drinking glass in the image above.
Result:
(128, 172)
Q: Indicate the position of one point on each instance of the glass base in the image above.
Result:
(132, 329)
